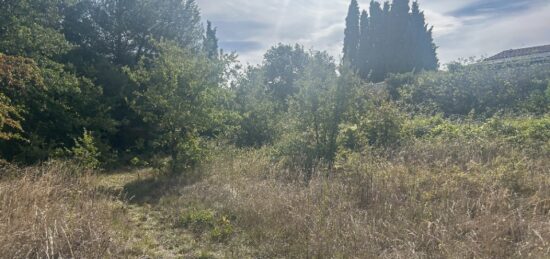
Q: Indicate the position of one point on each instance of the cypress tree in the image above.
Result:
(211, 41)
(429, 50)
(385, 46)
(400, 38)
(351, 34)
(377, 32)
(394, 39)
(365, 46)
(425, 56)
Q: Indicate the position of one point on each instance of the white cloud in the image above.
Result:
(490, 36)
(443, 24)
(319, 24)
(446, 6)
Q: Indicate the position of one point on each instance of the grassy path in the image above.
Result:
(144, 230)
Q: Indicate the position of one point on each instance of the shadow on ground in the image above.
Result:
(150, 189)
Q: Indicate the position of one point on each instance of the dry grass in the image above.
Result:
(437, 199)
(430, 200)
(53, 211)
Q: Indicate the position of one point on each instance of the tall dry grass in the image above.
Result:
(53, 211)
(437, 199)
(443, 199)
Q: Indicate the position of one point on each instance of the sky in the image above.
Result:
(462, 28)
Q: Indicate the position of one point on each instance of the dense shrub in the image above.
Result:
(382, 126)
(526, 132)
(483, 89)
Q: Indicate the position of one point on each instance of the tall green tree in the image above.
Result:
(364, 54)
(121, 30)
(315, 114)
(178, 101)
(400, 39)
(55, 104)
(17, 74)
(352, 34)
(10, 119)
(257, 109)
(283, 65)
(424, 55)
(377, 31)
(71, 65)
(307, 138)
(31, 29)
(211, 41)
(112, 34)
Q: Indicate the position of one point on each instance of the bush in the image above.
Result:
(85, 151)
(350, 138)
(382, 126)
(298, 151)
(481, 88)
(219, 227)
(526, 132)
(223, 230)
(532, 133)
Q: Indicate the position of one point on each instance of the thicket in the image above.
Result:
(311, 110)
(481, 90)
(332, 110)
(143, 83)
(139, 81)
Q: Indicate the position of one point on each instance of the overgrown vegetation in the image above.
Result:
(440, 197)
(54, 211)
(115, 69)
(300, 156)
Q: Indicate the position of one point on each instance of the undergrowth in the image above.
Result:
(432, 197)
(54, 211)
(443, 199)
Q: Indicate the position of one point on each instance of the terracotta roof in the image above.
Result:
(513, 53)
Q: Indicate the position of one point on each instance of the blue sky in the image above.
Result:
(462, 28)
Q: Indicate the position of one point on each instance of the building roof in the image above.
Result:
(517, 53)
